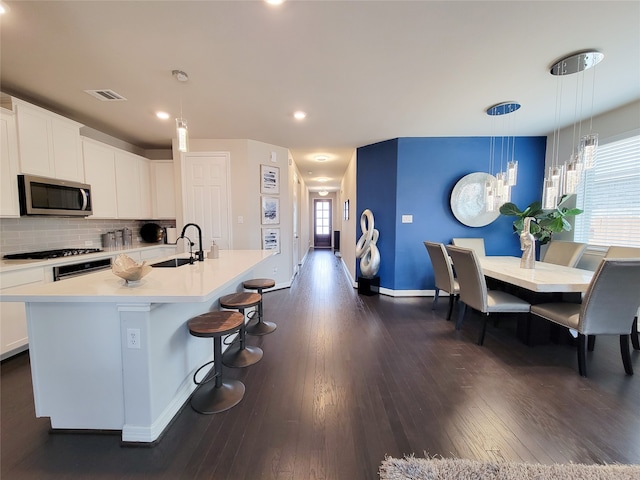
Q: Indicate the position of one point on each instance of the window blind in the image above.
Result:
(610, 196)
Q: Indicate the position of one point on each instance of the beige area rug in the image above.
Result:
(460, 469)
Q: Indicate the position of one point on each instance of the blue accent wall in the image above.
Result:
(415, 176)
(376, 189)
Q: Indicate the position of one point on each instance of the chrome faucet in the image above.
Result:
(199, 253)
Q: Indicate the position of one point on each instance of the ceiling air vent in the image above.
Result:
(106, 95)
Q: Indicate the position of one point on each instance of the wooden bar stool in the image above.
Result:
(259, 327)
(213, 394)
(239, 354)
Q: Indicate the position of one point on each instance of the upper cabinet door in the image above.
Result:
(163, 196)
(34, 141)
(67, 150)
(100, 173)
(48, 144)
(9, 206)
(144, 173)
(127, 185)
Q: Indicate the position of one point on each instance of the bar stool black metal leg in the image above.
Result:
(260, 326)
(239, 354)
(221, 395)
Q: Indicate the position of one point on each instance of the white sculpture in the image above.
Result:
(527, 245)
(366, 249)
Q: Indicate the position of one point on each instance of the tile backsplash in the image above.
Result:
(29, 234)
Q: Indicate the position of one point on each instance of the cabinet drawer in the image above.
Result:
(21, 277)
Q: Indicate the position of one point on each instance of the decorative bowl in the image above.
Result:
(127, 268)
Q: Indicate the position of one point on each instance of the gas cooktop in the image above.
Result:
(62, 252)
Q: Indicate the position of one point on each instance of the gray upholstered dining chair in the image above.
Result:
(628, 252)
(443, 273)
(564, 253)
(477, 244)
(474, 292)
(607, 308)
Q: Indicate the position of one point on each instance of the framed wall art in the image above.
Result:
(271, 239)
(269, 180)
(270, 210)
(345, 211)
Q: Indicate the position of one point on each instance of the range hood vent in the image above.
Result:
(106, 95)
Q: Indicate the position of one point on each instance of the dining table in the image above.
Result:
(544, 278)
(547, 282)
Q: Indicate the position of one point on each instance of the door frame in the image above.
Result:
(330, 201)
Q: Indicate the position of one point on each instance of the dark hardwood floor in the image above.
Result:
(348, 379)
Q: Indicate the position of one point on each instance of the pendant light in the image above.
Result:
(564, 178)
(182, 131)
(498, 190)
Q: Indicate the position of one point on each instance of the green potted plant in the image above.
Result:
(545, 222)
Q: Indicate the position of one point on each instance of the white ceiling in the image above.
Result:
(364, 71)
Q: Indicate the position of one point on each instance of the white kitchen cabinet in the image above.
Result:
(163, 196)
(132, 185)
(127, 185)
(9, 206)
(144, 171)
(13, 318)
(48, 144)
(100, 173)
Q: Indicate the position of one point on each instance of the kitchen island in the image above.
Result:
(110, 356)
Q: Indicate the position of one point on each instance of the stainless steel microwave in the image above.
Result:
(49, 196)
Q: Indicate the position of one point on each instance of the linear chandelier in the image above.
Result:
(498, 188)
(564, 178)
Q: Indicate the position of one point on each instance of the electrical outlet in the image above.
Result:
(133, 338)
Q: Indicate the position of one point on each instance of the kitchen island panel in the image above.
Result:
(76, 365)
(157, 378)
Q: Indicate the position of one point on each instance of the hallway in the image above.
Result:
(347, 379)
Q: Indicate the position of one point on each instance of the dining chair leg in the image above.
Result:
(626, 354)
(484, 329)
(582, 355)
(435, 299)
(461, 310)
(591, 342)
(451, 300)
(634, 334)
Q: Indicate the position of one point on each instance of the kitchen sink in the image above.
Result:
(174, 262)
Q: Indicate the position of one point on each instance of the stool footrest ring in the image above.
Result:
(206, 380)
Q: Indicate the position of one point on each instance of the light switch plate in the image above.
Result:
(407, 218)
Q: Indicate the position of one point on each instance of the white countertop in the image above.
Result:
(546, 277)
(188, 283)
(11, 265)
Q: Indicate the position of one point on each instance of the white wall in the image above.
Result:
(246, 156)
(349, 227)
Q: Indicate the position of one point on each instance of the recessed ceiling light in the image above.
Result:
(323, 193)
(162, 115)
(321, 158)
(299, 115)
(322, 179)
(274, 2)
